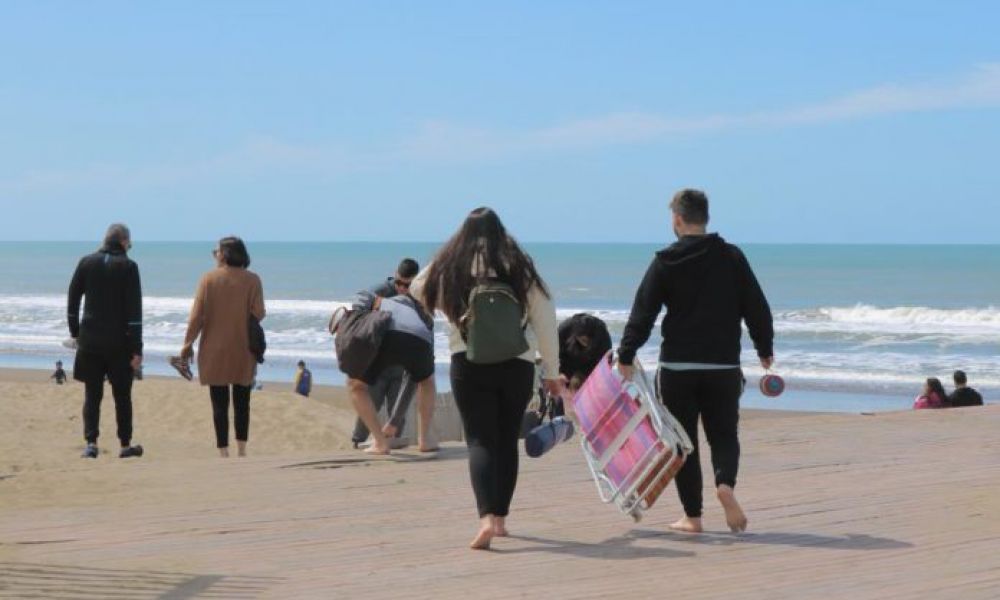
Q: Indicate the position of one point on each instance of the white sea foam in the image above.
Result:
(835, 346)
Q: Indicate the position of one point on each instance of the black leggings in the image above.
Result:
(715, 396)
(220, 413)
(491, 400)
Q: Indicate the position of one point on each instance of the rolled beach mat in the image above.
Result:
(543, 438)
(772, 385)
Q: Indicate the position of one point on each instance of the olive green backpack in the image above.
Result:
(493, 324)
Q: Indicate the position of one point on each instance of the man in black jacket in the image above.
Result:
(708, 288)
(963, 394)
(109, 337)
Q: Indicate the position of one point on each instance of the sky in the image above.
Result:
(827, 122)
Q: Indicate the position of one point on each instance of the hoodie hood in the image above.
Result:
(691, 248)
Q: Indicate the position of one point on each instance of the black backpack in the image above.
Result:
(258, 343)
(358, 338)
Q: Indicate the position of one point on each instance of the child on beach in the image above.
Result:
(932, 396)
(303, 380)
(59, 375)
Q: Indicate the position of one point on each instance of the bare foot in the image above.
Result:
(482, 539)
(735, 517)
(376, 449)
(687, 525)
(224, 452)
(390, 430)
(500, 527)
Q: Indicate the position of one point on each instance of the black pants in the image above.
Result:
(491, 400)
(91, 368)
(715, 396)
(220, 413)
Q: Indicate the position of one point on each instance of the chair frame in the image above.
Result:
(634, 494)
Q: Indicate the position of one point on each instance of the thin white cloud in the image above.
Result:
(445, 143)
(441, 141)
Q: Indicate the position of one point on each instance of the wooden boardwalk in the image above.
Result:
(840, 506)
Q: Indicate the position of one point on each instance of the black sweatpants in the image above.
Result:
(491, 400)
(91, 368)
(715, 396)
(220, 413)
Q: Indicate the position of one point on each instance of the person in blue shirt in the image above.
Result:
(303, 380)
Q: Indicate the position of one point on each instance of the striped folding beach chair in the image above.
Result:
(633, 446)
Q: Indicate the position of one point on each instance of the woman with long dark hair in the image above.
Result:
(932, 396)
(226, 298)
(491, 396)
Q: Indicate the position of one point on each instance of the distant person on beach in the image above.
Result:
(59, 374)
(502, 316)
(963, 394)
(932, 396)
(393, 383)
(303, 380)
(708, 288)
(408, 342)
(109, 337)
(227, 298)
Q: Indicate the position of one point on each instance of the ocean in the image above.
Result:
(858, 327)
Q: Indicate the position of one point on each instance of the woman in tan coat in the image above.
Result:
(226, 298)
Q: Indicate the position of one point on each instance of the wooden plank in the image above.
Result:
(890, 506)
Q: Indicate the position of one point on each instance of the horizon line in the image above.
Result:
(548, 242)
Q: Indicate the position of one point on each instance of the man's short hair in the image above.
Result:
(959, 377)
(691, 205)
(407, 268)
(302, 363)
(117, 235)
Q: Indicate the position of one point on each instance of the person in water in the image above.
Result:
(932, 396)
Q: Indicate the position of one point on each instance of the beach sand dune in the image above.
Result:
(172, 420)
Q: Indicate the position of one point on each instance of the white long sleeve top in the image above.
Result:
(540, 332)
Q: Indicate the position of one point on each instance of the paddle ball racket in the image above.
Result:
(772, 385)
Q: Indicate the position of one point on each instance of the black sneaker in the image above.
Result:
(90, 451)
(130, 451)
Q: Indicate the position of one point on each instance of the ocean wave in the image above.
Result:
(906, 319)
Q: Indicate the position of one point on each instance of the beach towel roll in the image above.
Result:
(547, 435)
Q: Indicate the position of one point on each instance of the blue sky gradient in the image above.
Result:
(831, 122)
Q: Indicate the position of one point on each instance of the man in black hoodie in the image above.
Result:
(109, 337)
(708, 288)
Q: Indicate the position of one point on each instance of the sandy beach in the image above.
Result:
(172, 420)
(894, 505)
